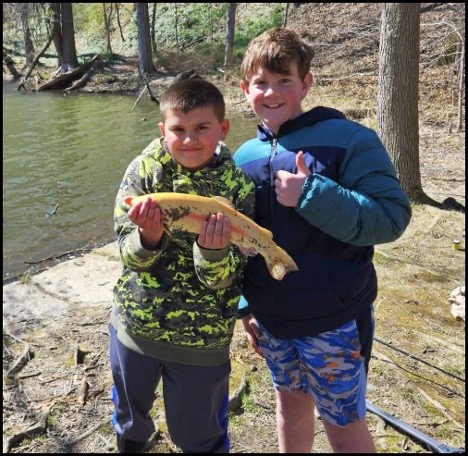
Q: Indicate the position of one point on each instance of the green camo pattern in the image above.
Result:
(179, 293)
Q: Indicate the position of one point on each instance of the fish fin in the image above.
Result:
(224, 201)
(129, 200)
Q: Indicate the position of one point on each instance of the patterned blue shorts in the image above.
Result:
(329, 366)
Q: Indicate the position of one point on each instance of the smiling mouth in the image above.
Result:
(274, 106)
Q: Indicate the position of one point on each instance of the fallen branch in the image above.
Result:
(33, 374)
(11, 336)
(139, 96)
(152, 97)
(86, 434)
(20, 362)
(83, 390)
(84, 79)
(65, 78)
(439, 407)
(38, 428)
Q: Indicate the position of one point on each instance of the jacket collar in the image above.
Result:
(317, 114)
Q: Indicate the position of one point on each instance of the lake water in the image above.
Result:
(72, 151)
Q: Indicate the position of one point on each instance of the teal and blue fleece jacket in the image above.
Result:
(351, 202)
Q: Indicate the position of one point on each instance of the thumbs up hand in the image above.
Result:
(288, 186)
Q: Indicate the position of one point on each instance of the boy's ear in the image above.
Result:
(307, 83)
(244, 87)
(225, 125)
(161, 128)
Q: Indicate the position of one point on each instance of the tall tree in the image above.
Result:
(145, 62)
(230, 29)
(28, 44)
(397, 103)
(107, 25)
(153, 29)
(285, 20)
(64, 36)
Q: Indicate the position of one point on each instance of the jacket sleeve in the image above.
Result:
(132, 253)
(217, 268)
(367, 206)
(220, 268)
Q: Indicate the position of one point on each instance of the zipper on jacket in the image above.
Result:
(274, 151)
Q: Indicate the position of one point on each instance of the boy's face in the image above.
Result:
(276, 98)
(192, 137)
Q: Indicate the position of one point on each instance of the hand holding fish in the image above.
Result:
(215, 232)
(148, 216)
(288, 186)
(189, 212)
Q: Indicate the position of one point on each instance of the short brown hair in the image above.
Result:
(188, 94)
(275, 50)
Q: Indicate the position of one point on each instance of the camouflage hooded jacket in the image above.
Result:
(179, 302)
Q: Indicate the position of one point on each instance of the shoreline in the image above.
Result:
(31, 269)
(55, 291)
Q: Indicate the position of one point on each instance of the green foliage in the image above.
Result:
(255, 25)
(88, 20)
(188, 25)
(25, 278)
(187, 35)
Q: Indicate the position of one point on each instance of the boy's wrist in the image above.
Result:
(149, 241)
(211, 255)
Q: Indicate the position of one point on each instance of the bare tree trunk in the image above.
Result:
(107, 20)
(28, 44)
(230, 30)
(397, 103)
(70, 60)
(117, 11)
(145, 63)
(11, 66)
(461, 79)
(57, 31)
(285, 22)
(153, 29)
(176, 26)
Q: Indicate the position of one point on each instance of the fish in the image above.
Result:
(187, 212)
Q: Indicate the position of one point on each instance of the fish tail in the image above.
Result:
(279, 266)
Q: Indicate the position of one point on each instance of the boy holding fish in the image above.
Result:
(175, 303)
(326, 188)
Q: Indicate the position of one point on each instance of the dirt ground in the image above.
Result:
(417, 371)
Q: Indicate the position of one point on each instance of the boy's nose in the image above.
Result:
(189, 137)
